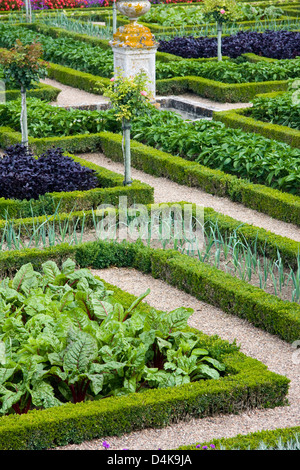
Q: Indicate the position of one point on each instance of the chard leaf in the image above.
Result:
(6, 373)
(50, 270)
(206, 371)
(25, 273)
(37, 304)
(68, 267)
(96, 382)
(43, 395)
(178, 318)
(80, 353)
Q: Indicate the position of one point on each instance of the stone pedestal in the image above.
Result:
(133, 45)
(132, 61)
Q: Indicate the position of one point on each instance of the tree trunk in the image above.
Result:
(114, 8)
(219, 28)
(126, 152)
(23, 118)
(28, 11)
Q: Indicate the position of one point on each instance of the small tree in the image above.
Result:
(23, 66)
(221, 11)
(129, 96)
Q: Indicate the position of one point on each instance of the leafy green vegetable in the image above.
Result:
(65, 337)
(283, 110)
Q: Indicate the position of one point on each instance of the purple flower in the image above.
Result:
(205, 447)
(198, 446)
(105, 445)
(212, 446)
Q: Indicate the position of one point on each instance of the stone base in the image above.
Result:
(132, 61)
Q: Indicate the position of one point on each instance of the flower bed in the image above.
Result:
(15, 5)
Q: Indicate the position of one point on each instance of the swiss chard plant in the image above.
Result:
(65, 337)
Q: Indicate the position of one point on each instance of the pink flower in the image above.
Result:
(112, 79)
(143, 93)
(222, 11)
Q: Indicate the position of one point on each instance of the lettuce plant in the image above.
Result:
(65, 337)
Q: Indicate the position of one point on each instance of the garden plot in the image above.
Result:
(208, 79)
(93, 410)
(276, 116)
(171, 19)
(239, 294)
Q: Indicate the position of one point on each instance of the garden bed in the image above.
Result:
(250, 384)
(87, 62)
(248, 253)
(280, 205)
(111, 189)
(238, 119)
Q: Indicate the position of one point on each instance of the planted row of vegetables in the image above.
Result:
(86, 57)
(66, 338)
(247, 155)
(180, 15)
(273, 44)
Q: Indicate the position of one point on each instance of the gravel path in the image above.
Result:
(275, 353)
(73, 96)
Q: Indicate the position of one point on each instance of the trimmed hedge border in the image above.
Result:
(249, 441)
(159, 29)
(277, 204)
(238, 119)
(250, 384)
(76, 79)
(41, 91)
(111, 188)
(204, 282)
(217, 91)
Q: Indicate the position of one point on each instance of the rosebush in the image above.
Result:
(6, 5)
(57, 4)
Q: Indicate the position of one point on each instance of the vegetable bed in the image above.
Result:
(272, 44)
(242, 384)
(109, 187)
(208, 143)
